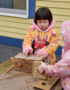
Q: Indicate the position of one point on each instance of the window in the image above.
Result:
(17, 8)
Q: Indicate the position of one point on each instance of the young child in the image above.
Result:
(62, 68)
(42, 35)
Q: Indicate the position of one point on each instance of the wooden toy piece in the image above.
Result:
(45, 84)
(35, 72)
(23, 63)
(57, 86)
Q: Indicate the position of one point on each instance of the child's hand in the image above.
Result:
(27, 53)
(41, 67)
(38, 54)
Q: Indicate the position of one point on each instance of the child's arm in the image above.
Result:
(27, 43)
(60, 69)
(52, 47)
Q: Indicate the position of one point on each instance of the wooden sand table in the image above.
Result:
(18, 80)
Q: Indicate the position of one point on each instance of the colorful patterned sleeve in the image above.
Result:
(54, 42)
(27, 43)
(60, 69)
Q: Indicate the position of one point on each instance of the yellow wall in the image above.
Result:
(17, 27)
(14, 27)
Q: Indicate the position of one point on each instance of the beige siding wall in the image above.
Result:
(14, 27)
(17, 27)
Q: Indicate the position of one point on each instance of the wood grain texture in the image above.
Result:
(26, 65)
(45, 84)
(29, 57)
(7, 70)
(23, 63)
(35, 72)
(58, 85)
(4, 66)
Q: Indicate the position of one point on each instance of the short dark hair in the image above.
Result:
(43, 13)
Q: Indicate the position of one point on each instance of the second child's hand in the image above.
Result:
(27, 53)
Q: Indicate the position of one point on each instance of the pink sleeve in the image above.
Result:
(27, 48)
(60, 69)
(43, 52)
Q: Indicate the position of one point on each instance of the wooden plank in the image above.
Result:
(18, 29)
(5, 65)
(58, 24)
(61, 18)
(61, 43)
(13, 30)
(56, 0)
(15, 25)
(7, 70)
(30, 21)
(13, 35)
(35, 72)
(54, 4)
(16, 19)
(58, 29)
(24, 31)
(60, 37)
(57, 11)
(30, 57)
(45, 84)
(58, 85)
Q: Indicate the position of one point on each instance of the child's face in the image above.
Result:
(43, 24)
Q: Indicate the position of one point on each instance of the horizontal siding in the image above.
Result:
(18, 30)
(56, 0)
(13, 35)
(14, 27)
(15, 19)
(60, 10)
(52, 4)
(17, 27)
(13, 30)
(14, 24)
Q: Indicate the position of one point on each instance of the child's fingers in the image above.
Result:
(39, 70)
(37, 54)
(27, 53)
(41, 62)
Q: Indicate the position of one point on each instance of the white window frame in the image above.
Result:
(15, 12)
